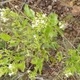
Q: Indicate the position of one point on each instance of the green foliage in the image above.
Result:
(21, 39)
(59, 56)
(53, 19)
(73, 62)
(29, 12)
(5, 37)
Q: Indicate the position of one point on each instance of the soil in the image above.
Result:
(68, 11)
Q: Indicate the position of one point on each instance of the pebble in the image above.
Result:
(49, 7)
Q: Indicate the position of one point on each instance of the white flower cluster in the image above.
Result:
(44, 15)
(11, 67)
(68, 74)
(10, 74)
(38, 21)
(63, 26)
(2, 17)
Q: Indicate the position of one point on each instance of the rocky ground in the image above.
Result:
(69, 12)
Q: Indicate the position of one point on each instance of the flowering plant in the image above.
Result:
(21, 40)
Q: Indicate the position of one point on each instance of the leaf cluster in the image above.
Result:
(21, 40)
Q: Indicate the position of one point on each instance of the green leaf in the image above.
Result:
(4, 61)
(32, 75)
(24, 23)
(18, 57)
(55, 33)
(13, 68)
(2, 44)
(1, 72)
(59, 56)
(55, 45)
(5, 36)
(39, 63)
(29, 12)
(72, 52)
(21, 66)
(48, 32)
(53, 19)
(35, 60)
(0, 55)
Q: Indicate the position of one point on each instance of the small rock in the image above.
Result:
(49, 7)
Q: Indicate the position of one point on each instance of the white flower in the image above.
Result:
(38, 21)
(68, 74)
(10, 74)
(60, 23)
(4, 19)
(1, 14)
(2, 10)
(35, 23)
(63, 25)
(34, 36)
(44, 15)
(28, 71)
(10, 66)
(42, 21)
(33, 26)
